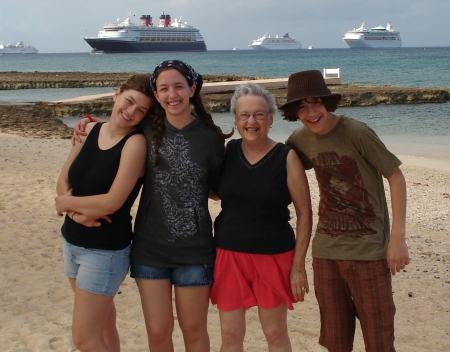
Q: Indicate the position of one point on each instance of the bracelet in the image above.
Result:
(74, 214)
(89, 117)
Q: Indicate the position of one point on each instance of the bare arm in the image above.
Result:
(79, 129)
(299, 191)
(62, 184)
(63, 187)
(131, 167)
(397, 253)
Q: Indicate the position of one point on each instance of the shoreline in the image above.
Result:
(43, 119)
(217, 90)
(426, 162)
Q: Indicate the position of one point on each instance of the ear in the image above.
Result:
(270, 120)
(192, 89)
(155, 93)
(116, 94)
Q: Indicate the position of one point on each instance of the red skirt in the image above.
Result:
(243, 280)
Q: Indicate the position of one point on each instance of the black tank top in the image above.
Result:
(93, 172)
(255, 198)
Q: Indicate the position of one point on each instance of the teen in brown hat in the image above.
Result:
(354, 249)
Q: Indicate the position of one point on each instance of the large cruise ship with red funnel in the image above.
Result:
(146, 37)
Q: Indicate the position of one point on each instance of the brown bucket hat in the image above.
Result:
(307, 84)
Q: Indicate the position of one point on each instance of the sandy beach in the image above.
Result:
(36, 300)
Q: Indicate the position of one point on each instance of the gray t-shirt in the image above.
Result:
(173, 226)
(349, 163)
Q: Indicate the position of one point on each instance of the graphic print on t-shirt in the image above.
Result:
(344, 207)
(179, 188)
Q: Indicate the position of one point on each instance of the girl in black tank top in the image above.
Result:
(96, 189)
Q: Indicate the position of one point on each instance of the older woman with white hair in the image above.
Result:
(260, 258)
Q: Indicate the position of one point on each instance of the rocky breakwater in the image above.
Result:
(38, 80)
(352, 95)
(41, 118)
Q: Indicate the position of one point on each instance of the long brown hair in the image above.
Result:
(199, 108)
(140, 83)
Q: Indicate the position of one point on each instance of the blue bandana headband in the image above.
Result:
(192, 77)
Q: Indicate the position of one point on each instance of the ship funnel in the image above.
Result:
(145, 20)
(164, 20)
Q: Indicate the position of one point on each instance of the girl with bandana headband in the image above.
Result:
(173, 241)
(193, 79)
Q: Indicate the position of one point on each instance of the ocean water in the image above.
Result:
(413, 130)
(417, 67)
(420, 130)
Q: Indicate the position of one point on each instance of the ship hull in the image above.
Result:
(277, 47)
(109, 46)
(17, 52)
(373, 44)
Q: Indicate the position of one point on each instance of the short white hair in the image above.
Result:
(255, 90)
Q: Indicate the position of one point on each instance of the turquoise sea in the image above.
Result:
(419, 130)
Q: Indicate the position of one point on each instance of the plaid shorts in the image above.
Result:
(350, 289)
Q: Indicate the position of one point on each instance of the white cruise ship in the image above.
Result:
(374, 38)
(266, 42)
(19, 48)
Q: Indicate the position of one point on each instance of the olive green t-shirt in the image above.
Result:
(349, 163)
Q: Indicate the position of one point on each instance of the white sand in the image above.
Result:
(36, 300)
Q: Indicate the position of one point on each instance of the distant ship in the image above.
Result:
(19, 48)
(375, 38)
(266, 42)
(144, 37)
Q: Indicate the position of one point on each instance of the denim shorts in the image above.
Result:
(185, 276)
(97, 271)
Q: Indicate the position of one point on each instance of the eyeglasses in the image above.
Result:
(243, 116)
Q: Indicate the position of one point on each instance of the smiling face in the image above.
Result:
(256, 127)
(314, 115)
(173, 92)
(130, 107)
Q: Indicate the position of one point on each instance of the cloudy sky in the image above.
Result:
(59, 26)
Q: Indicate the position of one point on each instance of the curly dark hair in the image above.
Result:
(159, 115)
(290, 111)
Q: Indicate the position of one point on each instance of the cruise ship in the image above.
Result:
(374, 38)
(19, 48)
(266, 42)
(145, 37)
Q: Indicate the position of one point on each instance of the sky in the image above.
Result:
(59, 26)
